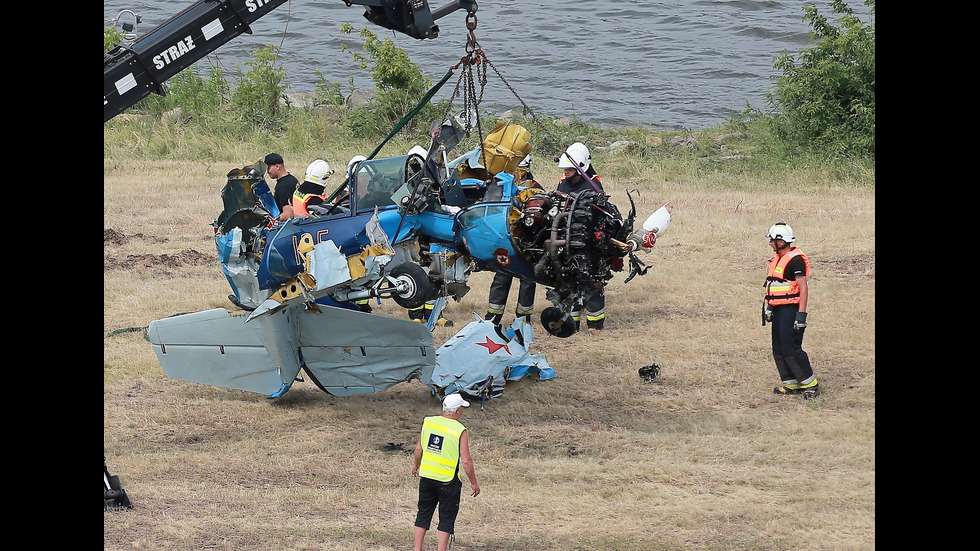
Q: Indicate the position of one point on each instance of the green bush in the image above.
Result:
(825, 98)
(198, 94)
(328, 93)
(399, 86)
(111, 36)
(260, 96)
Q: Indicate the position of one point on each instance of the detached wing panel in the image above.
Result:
(351, 352)
(215, 348)
(344, 351)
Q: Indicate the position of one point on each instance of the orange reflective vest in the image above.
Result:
(779, 290)
(301, 200)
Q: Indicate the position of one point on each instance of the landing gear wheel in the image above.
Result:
(557, 322)
(418, 288)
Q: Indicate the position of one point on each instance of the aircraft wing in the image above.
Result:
(344, 351)
(351, 352)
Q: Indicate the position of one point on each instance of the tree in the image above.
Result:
(399, 86)
(825, 96)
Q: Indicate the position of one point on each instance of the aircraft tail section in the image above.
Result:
(348, 352)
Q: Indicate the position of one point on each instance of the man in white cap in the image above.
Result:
(443, 445)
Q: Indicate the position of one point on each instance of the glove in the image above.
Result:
(800, 323)
(766, 313)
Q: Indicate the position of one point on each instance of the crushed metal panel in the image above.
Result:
(480, 359)
(328, 265)
(350, 352)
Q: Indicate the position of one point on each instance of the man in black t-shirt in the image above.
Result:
(286, 185)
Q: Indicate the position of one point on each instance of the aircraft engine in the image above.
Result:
(570, 240)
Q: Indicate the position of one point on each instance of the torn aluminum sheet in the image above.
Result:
(482, 357)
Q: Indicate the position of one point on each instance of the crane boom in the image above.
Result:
(133, 72)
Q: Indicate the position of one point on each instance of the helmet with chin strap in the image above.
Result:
(576, 154)
(781, 230)
(317, 172)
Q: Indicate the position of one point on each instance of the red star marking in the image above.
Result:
(492, 346)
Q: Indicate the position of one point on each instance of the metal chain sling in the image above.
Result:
(476, 57)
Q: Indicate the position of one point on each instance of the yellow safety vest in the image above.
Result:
(440, 448)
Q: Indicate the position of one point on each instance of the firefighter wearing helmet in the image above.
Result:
(523, 171)
(310, 192)
(352, 164)
(785, 309)
(579, 175)
(574, 161)
(501, 284)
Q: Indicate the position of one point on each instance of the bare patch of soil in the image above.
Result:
(162, 263)
(115, 237)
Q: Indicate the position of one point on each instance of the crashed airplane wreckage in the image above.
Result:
(411, 228)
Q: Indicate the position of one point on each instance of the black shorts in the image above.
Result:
(446, 496)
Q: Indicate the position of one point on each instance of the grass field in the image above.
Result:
(704, 458)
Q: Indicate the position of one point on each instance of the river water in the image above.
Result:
(667, 64)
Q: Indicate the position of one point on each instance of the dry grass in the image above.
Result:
(705, 458)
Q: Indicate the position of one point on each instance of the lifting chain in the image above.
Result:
(476, 57)
(471, 26)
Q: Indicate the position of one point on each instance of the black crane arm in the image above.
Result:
(133, 72)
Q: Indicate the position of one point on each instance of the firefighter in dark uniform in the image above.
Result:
(785, 308)
(572, 182)
(501, 284)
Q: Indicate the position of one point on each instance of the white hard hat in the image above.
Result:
(525, 162)
(576, 154)
(353, 161)
(317, 172)
(418, 150)
(781, 230)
